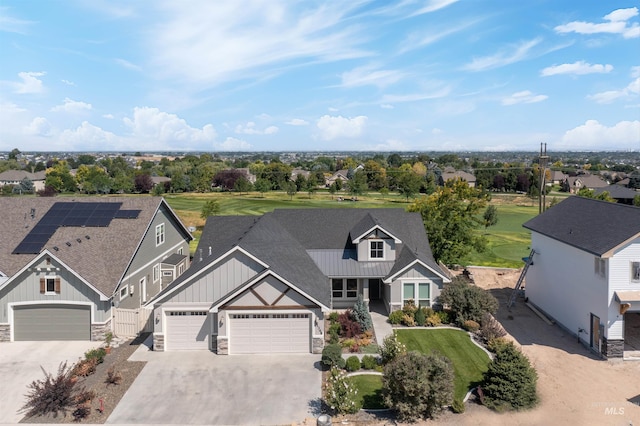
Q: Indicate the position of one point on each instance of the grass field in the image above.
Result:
(369, 390)
(469, 361)
(508, 241)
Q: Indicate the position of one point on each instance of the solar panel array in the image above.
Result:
(69, 214)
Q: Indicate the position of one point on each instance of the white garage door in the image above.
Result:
(187, 330)
(270, 333)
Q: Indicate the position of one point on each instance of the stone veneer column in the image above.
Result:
(5, 332)
(98, 331)
(158, 342)
(612, 348)
(222, 346)
(317, 344)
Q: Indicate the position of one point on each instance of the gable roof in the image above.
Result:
(100, 255)
(591, 225)
(18, 175)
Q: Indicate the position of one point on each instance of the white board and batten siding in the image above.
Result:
(619, 274)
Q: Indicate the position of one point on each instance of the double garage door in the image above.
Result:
(269, 333)
(52, 322)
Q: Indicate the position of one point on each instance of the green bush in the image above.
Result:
(467, 302)
(340, 394)
(458, 406)
(334, 338)
(444, 317)
(353, 363)
(420, 318)
(360, 314)
(333, 317)
(410, 307)
(471, 325)
(391, 348)
(494, 345)
(332, 356)
(395, 317)
(98, 354)
(433, 320)
(417, 386)
(510, 382)
(369, 362)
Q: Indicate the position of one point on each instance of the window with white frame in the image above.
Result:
(344, 288)
(50, 286)
(159, 234)
(124, 291)
(635, 272)
(180, 251)
(419, 292)
(376, 249)
(600, 267)
(156, 272)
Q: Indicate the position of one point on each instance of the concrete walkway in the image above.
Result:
(381, 325)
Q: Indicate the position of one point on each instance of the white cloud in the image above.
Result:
(436, 131)
(632, 90)
(523, 97)
(88, 136)
(250, 129)
(386, 106)
(369, 75)
(635, 71)
(128, 65)
(150, 124)
(30, 83)
(578, 68)
(420, 39)
(108, 116)
(297, 122)
(615, 23)
(505, 57)
(39, 126)
(11, 24)
(71, 106)
(432, 6)
(333, 127)
(391, 145)
(233, 144)
(68, 83)
(592, 134)
(9, 107)
(414, 97)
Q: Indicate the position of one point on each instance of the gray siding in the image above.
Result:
(417, 272)
(26, 288)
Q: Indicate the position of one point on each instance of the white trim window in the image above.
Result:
(180, 250)
(124, 291)
(156, 272)
(600, 267)
(346, 288)
(419, 292)
(159, 234)
(635, 272)
(376, 249)
(50, 286)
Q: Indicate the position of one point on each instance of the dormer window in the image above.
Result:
(376, 250)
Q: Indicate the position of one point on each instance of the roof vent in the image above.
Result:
(56, 248)
(79, 240)
(33, 213)
(87, 237)
(200, 255)
(209, 250)
(68, 244)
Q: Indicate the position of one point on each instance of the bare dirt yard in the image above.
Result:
(575, 387)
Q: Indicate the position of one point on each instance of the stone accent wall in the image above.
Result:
(98, 331)
(158, 342)
(612, 348)
(5, 332)
(317, 344)
(222, 346)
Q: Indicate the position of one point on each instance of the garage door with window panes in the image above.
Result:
(420, 293)
(52, 322)
(187, 330)
(270, 333)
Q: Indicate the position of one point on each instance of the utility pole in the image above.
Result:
(542, 197)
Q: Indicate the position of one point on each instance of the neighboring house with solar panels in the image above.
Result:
(264, 284)
(66, 263)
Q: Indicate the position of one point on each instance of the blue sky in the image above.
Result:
(201, 75)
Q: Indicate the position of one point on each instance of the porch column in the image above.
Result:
(365, 291)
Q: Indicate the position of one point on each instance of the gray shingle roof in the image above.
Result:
(100, 259)
(591, 225)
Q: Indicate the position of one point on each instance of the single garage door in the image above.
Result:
(52, 322)
(270, 333)
(187, 330)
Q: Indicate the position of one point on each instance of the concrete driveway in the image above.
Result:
(199, 387)
(20, 365)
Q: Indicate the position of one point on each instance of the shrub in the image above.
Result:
(395, 317)
(420, 317)
(391, 348)
(334, 338)
(510, 382)
(332, 356)
(84, 396)
(333, 317)
(53, 394)
(471, 325)
(113, 376)
(444, 317)
(340, 394)
(81, 412)
(369, 362)
(353, 363)
(360, 314)
(348, 327)
(466, 301)
(457, 406)
(334, 328)
(408, 320)
(433, 320)
(409, 307)
(417, 386)
(490, 328)
(494, 345)
(98, 354)
(85, 367)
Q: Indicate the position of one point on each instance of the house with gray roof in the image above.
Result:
(264, 284)
(14, 177)
(450, 173)
(67, 264)
(586, 272)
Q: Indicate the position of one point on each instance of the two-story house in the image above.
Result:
(65, 263)
(264, 284)
(586, 272)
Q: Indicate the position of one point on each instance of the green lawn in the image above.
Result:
(369, 390)
(469, 361)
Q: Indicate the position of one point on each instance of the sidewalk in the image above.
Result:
(381, 325)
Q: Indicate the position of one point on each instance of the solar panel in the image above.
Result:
(127, 214)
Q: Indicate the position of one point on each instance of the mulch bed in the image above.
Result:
(109, 394)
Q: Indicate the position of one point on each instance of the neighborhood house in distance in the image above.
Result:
(68, 265)
(264, 284)
(586, 272)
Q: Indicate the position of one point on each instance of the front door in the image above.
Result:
(374, 288)
(595, 332)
